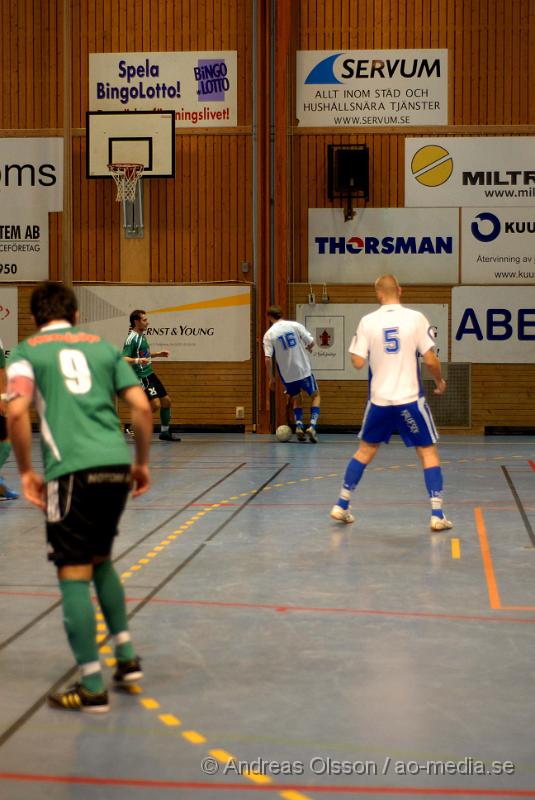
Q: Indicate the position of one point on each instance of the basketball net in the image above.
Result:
(126, 177)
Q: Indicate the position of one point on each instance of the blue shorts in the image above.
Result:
(308, 385)
(413, 422)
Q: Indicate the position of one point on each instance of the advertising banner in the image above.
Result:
(31, 172)
(498, 245)
(333, 326)
(9, 317)
(195, 323)
(373, 88)
(470, 171)
(417, 245)
(494, 325)
(23, 244)
(201, 87)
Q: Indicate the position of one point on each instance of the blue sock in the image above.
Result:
(434, 484)
(298, 414)
(314, 414)
(353, 474)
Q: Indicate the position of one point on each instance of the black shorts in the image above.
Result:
(83, 511)
(3, 428)
(153, 387)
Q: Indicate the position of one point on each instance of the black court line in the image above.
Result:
(525, 520)
(21, 631)
(15, 726)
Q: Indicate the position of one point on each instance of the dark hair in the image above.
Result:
(275, 312)
(53, 301)
(135, 315)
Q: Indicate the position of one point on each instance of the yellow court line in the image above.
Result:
(149, 702)
(169, 719)
(455, 548)
(194, 737)
(492, 586)
(257, 777)
(291, 795)
(222, 755)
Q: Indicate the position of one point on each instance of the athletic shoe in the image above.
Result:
(300, 433)
(77, 698)
(6, 493)
(342, 515)
(312, 435)
(128, 671)
(129, 431)
(440, 523)
(167, 436)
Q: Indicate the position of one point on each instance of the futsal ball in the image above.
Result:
(283, 433)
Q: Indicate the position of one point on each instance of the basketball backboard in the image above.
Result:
(141, 137)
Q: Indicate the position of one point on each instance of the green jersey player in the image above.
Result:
(74, 377)
(136, 351)
(5, 448)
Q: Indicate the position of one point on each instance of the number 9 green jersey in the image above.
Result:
(76, 377)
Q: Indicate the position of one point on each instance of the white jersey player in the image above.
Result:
(286, 344)
(391, 339)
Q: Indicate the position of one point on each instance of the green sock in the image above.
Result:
(80, 625)
(110, 595)
(165, 417)
(5, 449)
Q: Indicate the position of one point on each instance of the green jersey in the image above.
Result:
(75, 376)
(136, 346)
(2, 356)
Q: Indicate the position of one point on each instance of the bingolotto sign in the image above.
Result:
(470, 171)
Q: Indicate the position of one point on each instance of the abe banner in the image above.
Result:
(418, 245)
(334, 325)
(373, 88)
(493, 325)
(201, 87)
(482, 171)
(498, 245)
(194, 323)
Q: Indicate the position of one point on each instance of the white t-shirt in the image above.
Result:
(391, 339)
(288, 340)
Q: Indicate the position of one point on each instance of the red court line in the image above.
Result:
(287, 609)
(273, 787)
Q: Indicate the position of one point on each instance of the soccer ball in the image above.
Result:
(283, 433)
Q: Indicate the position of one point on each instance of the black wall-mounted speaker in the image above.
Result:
(348, 171)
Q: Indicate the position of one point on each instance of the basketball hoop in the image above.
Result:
(126, 177)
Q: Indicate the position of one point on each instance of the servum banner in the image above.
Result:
(200, 86)
(334, 325)
(498, 245)
(470, 171)
(494, 325)
(417, 245)
(371, 88)
(195, 323)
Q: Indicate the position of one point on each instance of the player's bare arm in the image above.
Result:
(433, 365)
(357, 361)
(20, 433)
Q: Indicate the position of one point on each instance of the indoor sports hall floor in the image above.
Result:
(368, 660)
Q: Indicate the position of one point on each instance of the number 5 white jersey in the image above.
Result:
(391, 338)
(288, 340)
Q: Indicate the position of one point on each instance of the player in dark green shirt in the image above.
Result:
(136, 351)
(73, 377)
(5, 448)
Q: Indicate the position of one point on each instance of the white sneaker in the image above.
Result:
(440, 523)
(312, 435)
(341, 515)
(300, 433)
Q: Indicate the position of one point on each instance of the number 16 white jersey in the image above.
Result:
(391, 339)
(288, 340)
